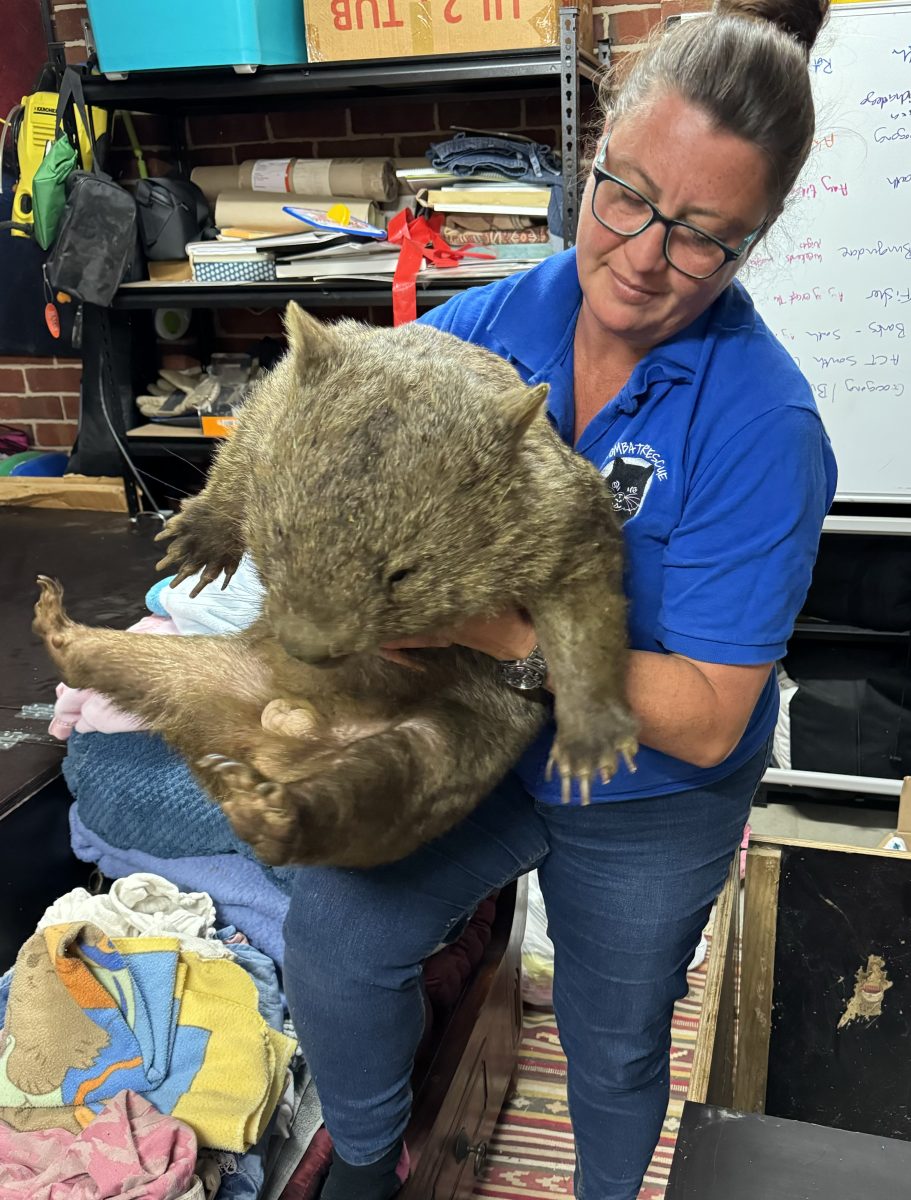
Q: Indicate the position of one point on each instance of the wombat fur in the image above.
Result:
(386, 483)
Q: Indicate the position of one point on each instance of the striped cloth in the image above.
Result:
(531, 1150)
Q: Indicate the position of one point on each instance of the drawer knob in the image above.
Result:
(462, 1147)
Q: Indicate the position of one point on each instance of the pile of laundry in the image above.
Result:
(138, 806)
(124, 1020)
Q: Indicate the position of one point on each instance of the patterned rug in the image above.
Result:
(531, 1151)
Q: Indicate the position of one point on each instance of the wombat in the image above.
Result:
(386, 483)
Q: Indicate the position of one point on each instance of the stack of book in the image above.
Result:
(313, 256)
(502, 215)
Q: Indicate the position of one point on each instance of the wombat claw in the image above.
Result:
(606, 770)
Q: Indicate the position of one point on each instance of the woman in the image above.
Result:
(665, 378)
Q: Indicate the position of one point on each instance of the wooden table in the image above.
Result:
(106, 563)
(726, 1155)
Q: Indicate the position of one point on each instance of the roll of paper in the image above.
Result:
(264, 211)
(363, 178)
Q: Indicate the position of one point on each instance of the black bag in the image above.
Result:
(172, 212)
(96, 240)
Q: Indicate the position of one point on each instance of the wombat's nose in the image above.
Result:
(303, 640)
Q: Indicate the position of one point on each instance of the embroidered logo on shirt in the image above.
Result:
(628, 481)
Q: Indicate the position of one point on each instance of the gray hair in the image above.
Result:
(746, 67)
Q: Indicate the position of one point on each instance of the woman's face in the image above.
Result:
(692, 171)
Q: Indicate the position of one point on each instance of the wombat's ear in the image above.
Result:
(308, 338)
(520, 407)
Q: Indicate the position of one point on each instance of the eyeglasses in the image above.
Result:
(692, 251)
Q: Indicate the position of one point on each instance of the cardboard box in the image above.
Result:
(96, 493)
(341, 30)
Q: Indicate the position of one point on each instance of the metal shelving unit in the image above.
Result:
(221, 90)
(116, 341)
(267, 295)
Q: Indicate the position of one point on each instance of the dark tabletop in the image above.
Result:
(106, 564)
(724, 1155)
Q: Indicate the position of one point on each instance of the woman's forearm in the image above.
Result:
(693, 711)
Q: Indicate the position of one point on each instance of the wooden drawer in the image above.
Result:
(458, 1104)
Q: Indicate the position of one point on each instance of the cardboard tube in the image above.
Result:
(262, 211)
(212, 180)
(363, 178)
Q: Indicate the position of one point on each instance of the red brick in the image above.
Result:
(540, 110)
(70, 407)
(634, 26)
(16, 360)
(54, 379)
(599, 28)
(29, 408)
(54, 435)
(480, 114)
(273, 150)
(76, 53)
(676, 8)
(311, 122)
(356, 148)
(68, 24)
(417, 144)
(212, 156)
(152, 130)
(223, 130)
(392, 118)
(12, 381)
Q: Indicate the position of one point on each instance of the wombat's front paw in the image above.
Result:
(591, 746)
(256, 807)
(51, 623)
(198, 545)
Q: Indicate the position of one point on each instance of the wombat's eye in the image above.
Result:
(280, 532)
(397, 576)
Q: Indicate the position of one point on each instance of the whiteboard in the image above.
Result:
(833, 278)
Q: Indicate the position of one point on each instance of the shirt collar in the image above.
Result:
(551, 292)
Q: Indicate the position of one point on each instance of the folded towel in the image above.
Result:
(247, 895)
(133, 790)
(130, 1151)
(90, 1015)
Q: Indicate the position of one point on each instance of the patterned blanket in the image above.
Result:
(89, 1016)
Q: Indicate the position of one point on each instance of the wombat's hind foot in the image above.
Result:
(595, 751)
(51, 622)
(256, 807)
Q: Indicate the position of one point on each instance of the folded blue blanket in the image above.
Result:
(243, 894)
(135, 792)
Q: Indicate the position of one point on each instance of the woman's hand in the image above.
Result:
(508, 636)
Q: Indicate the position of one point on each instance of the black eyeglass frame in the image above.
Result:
(731, 254)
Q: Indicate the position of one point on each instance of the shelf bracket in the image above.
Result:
(569, 120)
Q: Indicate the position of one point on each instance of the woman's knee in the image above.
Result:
(340, 929)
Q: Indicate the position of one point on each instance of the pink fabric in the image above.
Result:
(744, 846)
(89, 712)
(129, 1151)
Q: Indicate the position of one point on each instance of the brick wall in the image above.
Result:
(41, 395)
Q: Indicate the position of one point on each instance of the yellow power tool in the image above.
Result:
(33, 129)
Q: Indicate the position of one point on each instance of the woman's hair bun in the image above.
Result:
(800, 19)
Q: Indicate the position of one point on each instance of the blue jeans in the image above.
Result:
(628, 888)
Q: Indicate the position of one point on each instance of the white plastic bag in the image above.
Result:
(537, 951)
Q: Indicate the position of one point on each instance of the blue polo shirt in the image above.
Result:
(720, 472)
